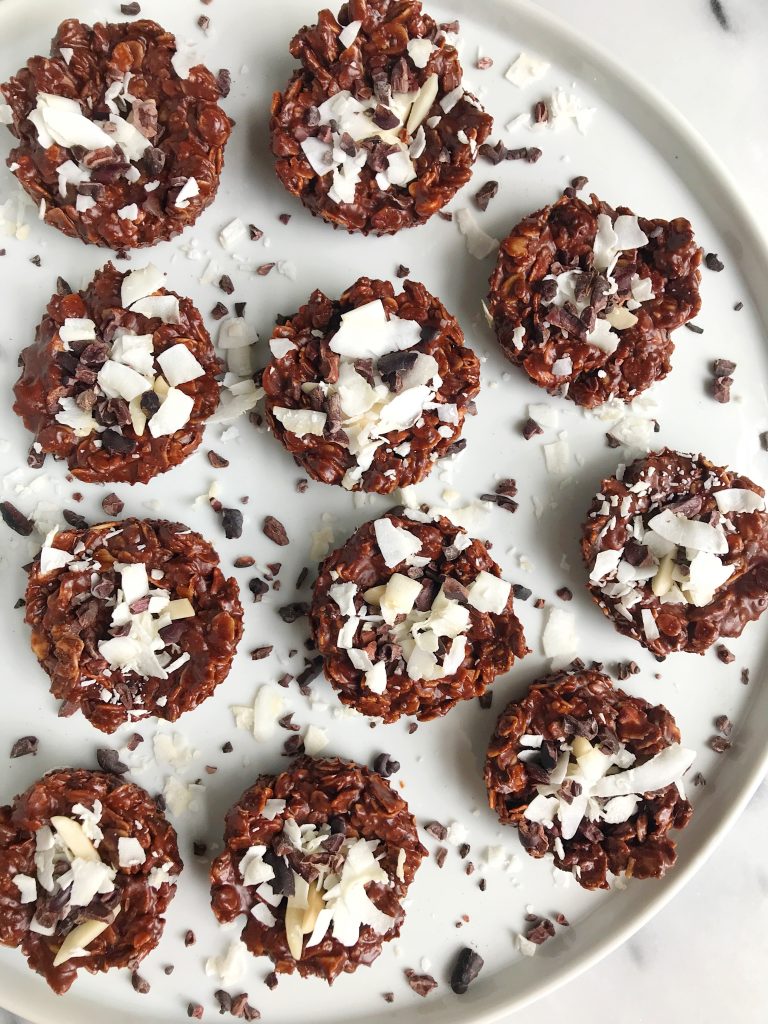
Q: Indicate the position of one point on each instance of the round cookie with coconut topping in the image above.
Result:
(88, 866)
(677, 552)
(591, 775)
(376, 132)
(412, 616)
(369, 391)
(120, 378)
(585, 298)
(120, 139)
(319, 858)
(132, 619)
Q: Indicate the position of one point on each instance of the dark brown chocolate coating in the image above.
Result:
(315, 791)
(561, 237)
(68, 622)
(326, 459)
(560, 707)
(49, 373)
(188, 142)
(493, 641)
(138, 927)
(380, 49)
(676, 477)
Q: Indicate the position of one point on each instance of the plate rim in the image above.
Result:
(672, 124)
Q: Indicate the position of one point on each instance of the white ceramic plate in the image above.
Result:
(638, 152)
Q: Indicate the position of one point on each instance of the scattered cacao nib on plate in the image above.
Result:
(385, 765)
(25, 745)
(485, 194)
(713, 262)
(112, 505)
(275, 531)
(724, 725)
(232, 523)
(467, 967)
(422, 984)
(15, 519)
(109, 761)
(259, 653)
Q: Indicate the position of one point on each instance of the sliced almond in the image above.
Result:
(621, 318)
(138, 418)
(160, 387)
(294, 932)
(663, 580)
(180, 608)
(71, 834)
(373, 595)
(580, 746)
(80, 938)
(314, 906)
(422, 105)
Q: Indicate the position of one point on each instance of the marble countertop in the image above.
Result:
(705, 952)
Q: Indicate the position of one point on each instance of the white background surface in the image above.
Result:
(703, 958)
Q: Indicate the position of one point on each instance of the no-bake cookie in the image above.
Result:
(120, 140)
(677, 552)
(591, 775)
(412, 616)
(88, 866)
(585, 298)
(120, 378)
(132, 619)
(319, 858)
(375, 132)
(370, 390)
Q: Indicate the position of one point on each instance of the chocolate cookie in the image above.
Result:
(411, 616)
(120, 378)
(132, 619)
(677, 552)
(375, 132)
(88, 866)
(120, 141)
(591, 775)
(369, 391)
(319, 858)
(585, 298)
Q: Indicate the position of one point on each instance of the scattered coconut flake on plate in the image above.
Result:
(181, 797)
(525, 69)
(231, 965)
(547, 416)
(261, 718)
(173, 748)
(560, 639)
(557, 455)
(479, 244)
(315, 740)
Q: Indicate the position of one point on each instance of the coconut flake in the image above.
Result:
(179, 365)
(420, 50)
(349, 33)
(689, 533)
(301, 421)
(739, 499)
(173, 414)
(479, 244)
(315, 740)
(395, 544)
(559, 639)
(130, 852)
(489, 593)
(189, 190)
(525, 69)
